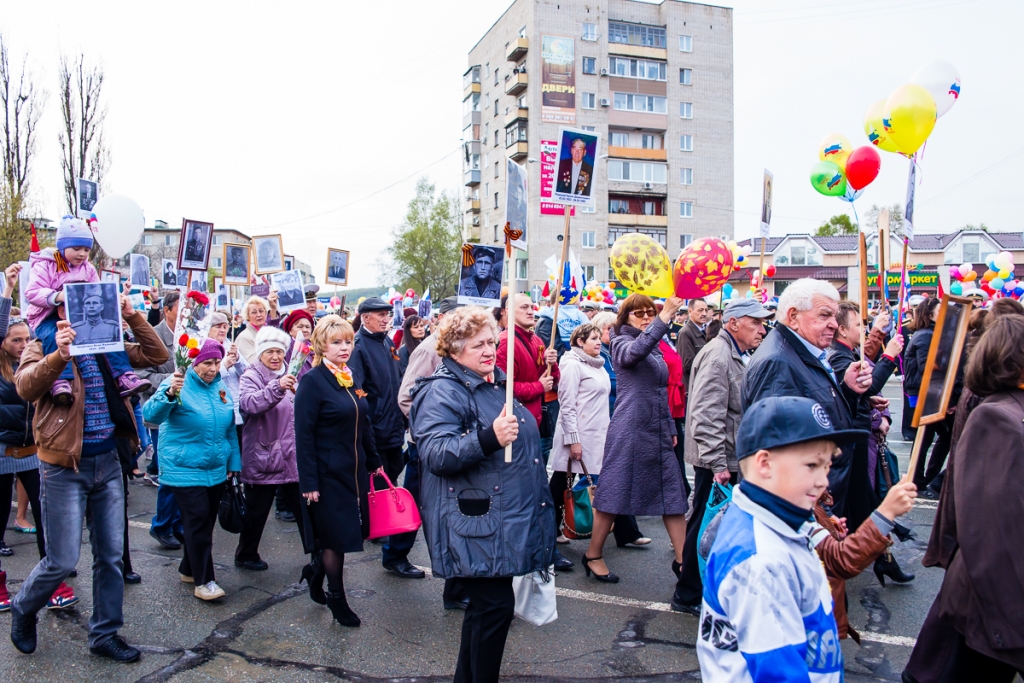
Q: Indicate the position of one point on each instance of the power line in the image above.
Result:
(973, 177)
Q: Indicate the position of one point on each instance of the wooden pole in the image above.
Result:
(558, 276)
(915, 453)
(510, 332)
(903, 289)
(863, 293)
(883, 254)
(760, 266)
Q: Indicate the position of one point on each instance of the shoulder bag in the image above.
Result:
(578, 514)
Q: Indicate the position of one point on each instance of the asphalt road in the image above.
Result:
(267, 629)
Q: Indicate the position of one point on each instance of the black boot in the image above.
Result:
(313, 575)
(23, 632)
(338, 605)
(886, 565)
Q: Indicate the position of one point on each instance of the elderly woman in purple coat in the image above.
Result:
(640, 474)
(267, 400)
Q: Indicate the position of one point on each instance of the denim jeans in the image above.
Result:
(167, 519)
(398, 546)
(64, 496)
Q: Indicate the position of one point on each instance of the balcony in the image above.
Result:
(471, 118)
(518, 150)
(516, 84)
(642, 51)
(470, 232)
(472, 178)
(637, 220)
(515, 115)
(517, 49)
(637, 153)
(471, 89)
(472, 206)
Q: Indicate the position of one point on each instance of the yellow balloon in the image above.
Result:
(874, 130)
(642, 265)
(835, 148)
(909, 117)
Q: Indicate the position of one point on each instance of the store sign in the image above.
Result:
(557, 79)
(917, 279)
(548, 152)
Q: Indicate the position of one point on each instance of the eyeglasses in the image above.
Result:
(649, 313)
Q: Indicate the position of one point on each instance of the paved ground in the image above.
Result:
(267, 629)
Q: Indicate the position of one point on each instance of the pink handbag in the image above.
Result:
(393, 511)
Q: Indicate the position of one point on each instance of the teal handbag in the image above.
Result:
(578, 513)
(718, 501)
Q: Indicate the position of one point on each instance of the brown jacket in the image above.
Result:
(58, 429)
(844, 557)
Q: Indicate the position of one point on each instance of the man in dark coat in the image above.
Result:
(691, 337)
(374, 365)
(575, 175)
(792, 362)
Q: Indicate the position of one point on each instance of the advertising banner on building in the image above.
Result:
(548, 153)
(558, 80)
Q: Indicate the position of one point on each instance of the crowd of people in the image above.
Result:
(774, 406)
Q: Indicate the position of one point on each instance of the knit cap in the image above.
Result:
(211, 349)
(271, 338)
(73, 232)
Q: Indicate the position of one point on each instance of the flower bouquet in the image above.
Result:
(301, 349)
(187, 329)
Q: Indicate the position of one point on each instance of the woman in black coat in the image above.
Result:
(335, 453)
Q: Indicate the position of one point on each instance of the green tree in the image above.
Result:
(424, 251)
(837, 225)
(972, 226)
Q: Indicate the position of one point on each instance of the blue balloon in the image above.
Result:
(727, 291)
(851, 195)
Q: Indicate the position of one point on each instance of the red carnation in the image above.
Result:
(192, 353)
(199, 297)
(182, 340)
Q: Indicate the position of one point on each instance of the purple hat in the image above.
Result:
(211, 349)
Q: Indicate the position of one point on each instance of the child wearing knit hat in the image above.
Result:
(49, 270)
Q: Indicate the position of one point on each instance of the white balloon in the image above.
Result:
(942, 80)
(119, 224)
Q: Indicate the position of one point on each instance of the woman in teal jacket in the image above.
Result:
(198, 452)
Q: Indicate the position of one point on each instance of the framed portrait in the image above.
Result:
(516, 201)
(766, 203)
(574, 174)
(236, 264)
(94, 311)
(221, 291)
(198, 282)
(944, 357)
(88, 193)
(110, 276)
(194, 245)
(288, 285)
(337, 267)
(480, 278)
(269, 253)
(139, 271)
(171, 277)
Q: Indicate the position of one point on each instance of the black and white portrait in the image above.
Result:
(168, 274)
(236, 264)
(140, 271)
(94, 311)
(194, 249)
(480, 282)
(516, 201)
(337, 267)
(222, 293)
(766, 203)
(269, 254)
(288, 285)
(88, 194)
(197, 281)
(110, 276)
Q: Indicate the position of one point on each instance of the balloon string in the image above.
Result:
(919, 179)
(856, 218)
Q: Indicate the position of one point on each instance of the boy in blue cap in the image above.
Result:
(767, 607)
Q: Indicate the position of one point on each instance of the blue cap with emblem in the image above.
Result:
(786, 420)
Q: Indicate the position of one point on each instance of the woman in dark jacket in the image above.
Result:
(640, 474)
(973, 631)
(335, 452)
(486, 520)
(414, 330)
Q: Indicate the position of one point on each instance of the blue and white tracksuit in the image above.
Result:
(767, 608)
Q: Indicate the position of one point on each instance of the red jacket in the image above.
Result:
(529, 366)
(676, 390)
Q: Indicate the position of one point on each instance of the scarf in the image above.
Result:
(593, 362)
(793, 516)
(342, 374)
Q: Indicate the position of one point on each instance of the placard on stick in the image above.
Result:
(94, 311)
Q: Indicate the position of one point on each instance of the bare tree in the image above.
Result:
(84, 153)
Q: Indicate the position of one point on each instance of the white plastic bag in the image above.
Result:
(535, 597)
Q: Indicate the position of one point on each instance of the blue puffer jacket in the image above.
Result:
(198, 441)
(482, 516)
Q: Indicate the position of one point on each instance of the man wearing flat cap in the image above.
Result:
(712, 420)
(481, 283)
(310, 291)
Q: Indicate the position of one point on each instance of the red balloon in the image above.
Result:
(862, 167)
(769, 270)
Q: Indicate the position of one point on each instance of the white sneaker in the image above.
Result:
(210, 591)
(561, 540)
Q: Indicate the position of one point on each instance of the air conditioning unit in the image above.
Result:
(604, 72)
(648, 186)
(605, 102)
(724, 238)
(476, 221)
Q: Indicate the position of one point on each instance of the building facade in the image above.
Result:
(655, 80)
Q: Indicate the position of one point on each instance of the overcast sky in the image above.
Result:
(285, 117)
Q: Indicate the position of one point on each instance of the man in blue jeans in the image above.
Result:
(81, 472)
(166, 526)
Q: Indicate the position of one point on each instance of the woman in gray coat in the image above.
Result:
(640, 474)
(485, 520)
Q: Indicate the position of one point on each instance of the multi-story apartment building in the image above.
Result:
(654, 79)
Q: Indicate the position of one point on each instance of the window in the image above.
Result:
(147, 240)
(588, 273)
(620, 139)
(495, 200)
(636, 171)
(521, 269)
(495, 233)
(474, 162)
(686, 209)
(170, 240)
(685, 76)
(686, 143)
(495, 107)
(471, 103)
(589, 100)
(216, 240)
(496, 77)
(686, 43)
(471, 76)
(590, 128)
(798, 255)
(495, 138)
(972, 252)
(684, 241)
(643, 103)
(515, 133)
(215, 262)
(588, 209)
(658, 235)
(648, 142)
(487, 158)
(636, 34)
(686, 176)
(618, 206)
(686, 110)
(649, 208)
(638, 68)
(589, 65)
(495, 169)
(487, 189)
(589, 241)
(589, 31)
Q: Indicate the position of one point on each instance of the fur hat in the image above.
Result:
(73, 232)
(271, 338)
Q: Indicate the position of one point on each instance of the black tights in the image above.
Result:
(30, 480)
(334, 564)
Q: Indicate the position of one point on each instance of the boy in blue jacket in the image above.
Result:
(767, 607)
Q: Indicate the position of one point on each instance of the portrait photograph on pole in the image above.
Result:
(236, 264)
(139, 271)
(288, 285)
(574, 178)
(94, 312)
(194, 245)
(269, 254)
(197, 281)
(516, 202)
(88, 194)
(480, 278)
(337, 268)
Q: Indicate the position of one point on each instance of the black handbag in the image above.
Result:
(887, 471)
(233, 511)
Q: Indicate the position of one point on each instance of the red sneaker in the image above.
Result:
(5, 597)
(62, 598)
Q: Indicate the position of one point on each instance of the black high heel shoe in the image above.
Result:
(313, 575)
(605, 578)
(886, 565)
(343, 614)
